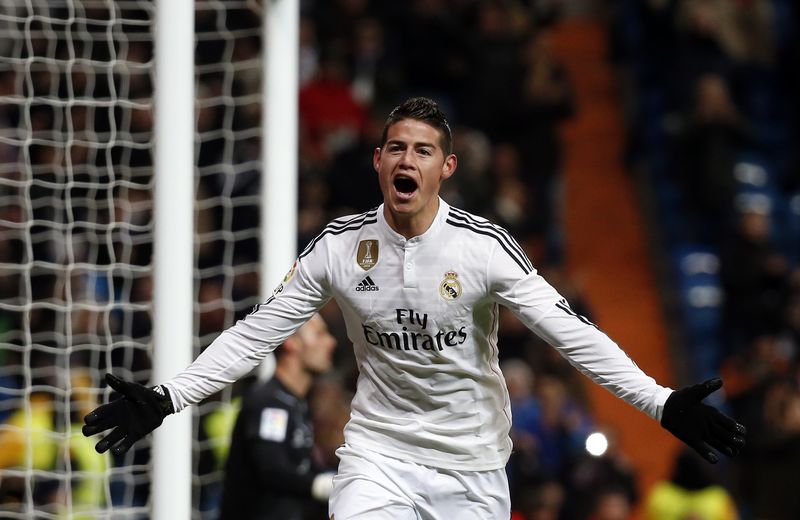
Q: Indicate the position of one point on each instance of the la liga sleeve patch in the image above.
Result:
(274, 422)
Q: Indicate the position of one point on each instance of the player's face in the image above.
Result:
(317, 346)
(411, 166)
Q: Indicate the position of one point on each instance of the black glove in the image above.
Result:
(139, 411)
(699, 425)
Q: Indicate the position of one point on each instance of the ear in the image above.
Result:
(449, 166)
(376, 159)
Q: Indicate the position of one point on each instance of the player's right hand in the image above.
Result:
(139, 411)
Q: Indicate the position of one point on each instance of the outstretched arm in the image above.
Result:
(537, 304)
(232, 355)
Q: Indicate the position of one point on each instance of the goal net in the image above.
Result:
(76, 236)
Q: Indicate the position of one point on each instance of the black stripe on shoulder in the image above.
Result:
(337, 228)
(480, 231)
(344, 221)
(501, 234)
(483, 223)
(564, 306)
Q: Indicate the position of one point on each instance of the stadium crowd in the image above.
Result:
(714, 129)
(709, 86)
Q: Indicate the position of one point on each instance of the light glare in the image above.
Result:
(596, 444)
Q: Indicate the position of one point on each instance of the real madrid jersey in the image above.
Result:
(422, 314)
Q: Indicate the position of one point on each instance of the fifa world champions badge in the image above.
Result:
(367, 254)
(450, 288)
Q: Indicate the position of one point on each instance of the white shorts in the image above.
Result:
(371, 486)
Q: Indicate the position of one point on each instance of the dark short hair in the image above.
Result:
(425, 110)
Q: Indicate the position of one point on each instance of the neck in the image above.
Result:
(414, 225)
(297, 380)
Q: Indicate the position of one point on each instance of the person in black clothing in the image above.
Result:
(270, 473)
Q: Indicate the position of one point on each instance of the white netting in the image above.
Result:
(76, 81)
(75, 236)
(228, 71)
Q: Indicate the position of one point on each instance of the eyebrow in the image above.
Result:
(416, 145)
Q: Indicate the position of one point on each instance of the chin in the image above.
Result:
(404, 206)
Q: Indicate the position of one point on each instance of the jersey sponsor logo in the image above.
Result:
(274, 422)
(450, 288)
(367, 285)
(408, 339)
(367, 254)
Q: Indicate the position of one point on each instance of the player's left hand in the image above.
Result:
(700, 426)
(139, 411)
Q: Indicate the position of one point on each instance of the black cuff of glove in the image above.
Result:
(165, 400)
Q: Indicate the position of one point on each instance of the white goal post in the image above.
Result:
(173, 246)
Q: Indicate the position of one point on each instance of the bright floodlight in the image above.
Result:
(596, 444)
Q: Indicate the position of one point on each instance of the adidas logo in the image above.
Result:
(367, 285)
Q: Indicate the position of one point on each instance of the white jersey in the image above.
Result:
(422, 315)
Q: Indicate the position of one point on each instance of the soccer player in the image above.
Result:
(269, 472)
(419, 284)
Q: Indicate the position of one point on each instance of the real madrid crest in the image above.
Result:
(450, 288)
(367, 254)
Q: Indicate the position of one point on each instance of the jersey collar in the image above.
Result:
(430, 233)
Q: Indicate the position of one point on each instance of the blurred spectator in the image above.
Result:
(434, 53)
(705, 153)
(523, 466)
(332, 119)
(494, 93)
(561, 428)
(741, 30)
(336, 19)
(708, 42)
(36, 429)
(351, 178)
(754, 273)
(330, 407)
(543, 500)
(511, 206)
(546, 101)
(473, 182)
(611, 503)
(691, 492)
(604, 486)
(776, 454)
(748, 374)
(377, 72)
(308, 54)
(270, 472)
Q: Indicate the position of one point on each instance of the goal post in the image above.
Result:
(173, 246)
(279, 146)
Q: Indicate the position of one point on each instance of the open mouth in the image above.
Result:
(405, 186)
